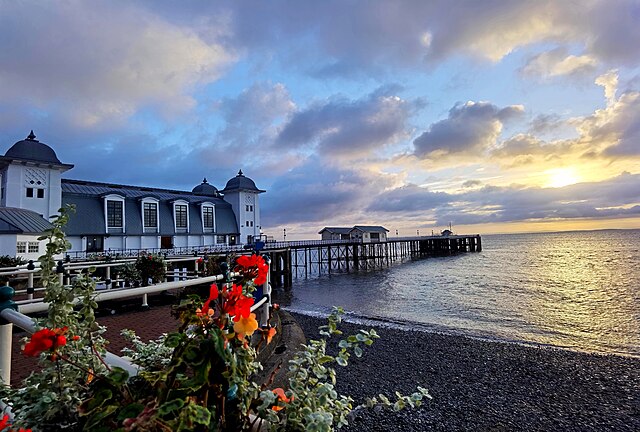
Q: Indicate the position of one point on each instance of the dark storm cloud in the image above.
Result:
(346, 126)
(470, 128)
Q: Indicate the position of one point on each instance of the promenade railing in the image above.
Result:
(14, 313)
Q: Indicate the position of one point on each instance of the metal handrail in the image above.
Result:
(27, 324)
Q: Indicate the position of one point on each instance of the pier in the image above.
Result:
(289, 260)
(302, 259)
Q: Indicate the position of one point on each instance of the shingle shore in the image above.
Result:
(487, 386)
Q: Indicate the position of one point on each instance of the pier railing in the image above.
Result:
(216, 249)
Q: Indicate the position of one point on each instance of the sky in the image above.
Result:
(495, 116)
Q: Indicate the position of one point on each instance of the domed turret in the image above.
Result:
(205, 189)
(241, 183)
(32, 149)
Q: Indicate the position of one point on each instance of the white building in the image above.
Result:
(112, 217)
(363, 233)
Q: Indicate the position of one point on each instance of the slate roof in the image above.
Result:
(369, 228)
(33, 150)
(336, 230)
(88, 199)
(240, 183)
(21, 221)
(205, 189)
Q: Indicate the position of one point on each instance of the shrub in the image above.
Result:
(151, 267)
(9, 261)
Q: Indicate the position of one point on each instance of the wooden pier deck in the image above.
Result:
(292, 260)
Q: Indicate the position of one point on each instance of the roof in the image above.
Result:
(88, 199)
(336, 230)
(30, 149)
(97, 189)
(241, 183)
(205, 189)
(369, 228)
(21, 221)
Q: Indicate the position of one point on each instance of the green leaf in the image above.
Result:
(341, 361)
(198, 414)
(170, 406)
(118, 375)
(130, 411)
(357, 351)
(325, 359)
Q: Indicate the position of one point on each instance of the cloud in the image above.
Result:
(409, 198)
(613, 132)
(335, 38)
(348, 127)
(608, 134)
(615, 197)
(558, 62)
(97, 63)
(471, 184)
(316, 192)
(470, 128)
(546, 123)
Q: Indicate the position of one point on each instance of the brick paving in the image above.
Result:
(148, 324)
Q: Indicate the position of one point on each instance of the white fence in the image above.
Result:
(13, 313)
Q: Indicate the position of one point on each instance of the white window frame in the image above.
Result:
(114, 197)
(19, 245)
(33, 245)
(175, 220)
(155, 201)
(213, 209)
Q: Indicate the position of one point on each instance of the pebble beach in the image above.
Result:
(487, 386)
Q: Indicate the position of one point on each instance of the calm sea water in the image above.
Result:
(576, 290)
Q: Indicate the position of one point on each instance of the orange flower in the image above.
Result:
(245, 326)
(270, 334)
(281, 397)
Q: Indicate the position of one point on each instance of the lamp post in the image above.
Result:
(396, 233)
(285, 233)
(418, 231)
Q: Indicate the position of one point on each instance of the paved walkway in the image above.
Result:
(148, 324)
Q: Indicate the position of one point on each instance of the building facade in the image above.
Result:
(113, 217)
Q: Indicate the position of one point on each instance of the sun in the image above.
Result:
(560, 177)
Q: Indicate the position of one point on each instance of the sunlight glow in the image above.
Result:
(560, 177)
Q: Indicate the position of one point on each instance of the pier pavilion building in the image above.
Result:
(364, 233)
(114, 217)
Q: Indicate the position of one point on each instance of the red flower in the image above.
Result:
(243, 308)
(4, 422)
(253, 267)
(200, 260)
(213, 295)
(45, 340)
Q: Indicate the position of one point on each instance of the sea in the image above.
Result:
(572, 290)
